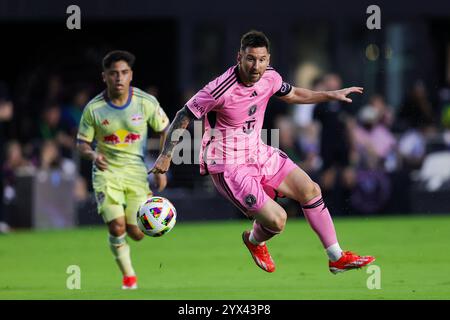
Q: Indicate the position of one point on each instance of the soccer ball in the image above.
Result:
(156, 216)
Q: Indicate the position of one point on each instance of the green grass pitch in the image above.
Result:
(207, 260)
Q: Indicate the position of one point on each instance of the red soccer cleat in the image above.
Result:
(129, 282)
(349, 261)
(259, 253)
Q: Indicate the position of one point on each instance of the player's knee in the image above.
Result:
(279, 223)
(310, 191)
(116, 229)
(316, 190)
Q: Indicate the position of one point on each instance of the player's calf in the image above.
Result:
(271, 218)
(260, 233)
(121, 252)
(134, 232)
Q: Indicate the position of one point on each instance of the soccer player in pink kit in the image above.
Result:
(244, 169)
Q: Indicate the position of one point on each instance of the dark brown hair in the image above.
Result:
(255, 39)
(118, 55)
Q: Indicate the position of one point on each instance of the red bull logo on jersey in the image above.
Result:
(132, 137)
(111, 139)
(121, 138)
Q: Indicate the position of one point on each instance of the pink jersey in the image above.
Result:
(235, 116)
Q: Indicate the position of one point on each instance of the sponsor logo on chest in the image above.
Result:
(136, 119)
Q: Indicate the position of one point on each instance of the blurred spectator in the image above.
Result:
(51, 159)
(50, 127)
(417, 122)
(6, 114)
(303, 114)
(371, 191)
(445, 120)
(71, 113)
(444, 95)
(81, 190)
(373, 140)
(435, 172)
(417, 110)
(15, 159)
(444, 104)
(15, 163)
(308, 131)
(50, 124)
(412, 149)
(53, 162)
(386, 114)
(288, 141)
(334, 135)
(6, 105)
(374, 144)
(291, 145)
(335, 145)
(70, 119)
(54, 88)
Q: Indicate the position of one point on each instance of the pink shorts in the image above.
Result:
(249, 186)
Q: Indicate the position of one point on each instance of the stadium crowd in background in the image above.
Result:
(354, 155)
(6, 113)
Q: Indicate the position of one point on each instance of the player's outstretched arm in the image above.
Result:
(305, 96)
(181, 121)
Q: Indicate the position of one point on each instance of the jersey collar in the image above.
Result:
(108, 101)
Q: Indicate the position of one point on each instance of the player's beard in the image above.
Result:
(254, 77)
(248, 76)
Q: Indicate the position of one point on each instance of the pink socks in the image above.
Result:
(318, 216)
